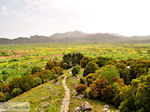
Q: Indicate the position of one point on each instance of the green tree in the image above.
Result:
(84, 61)
(51, 64)
(75, 70)
(109, 72)
(16, 92)
(91, 67)
(71, 59)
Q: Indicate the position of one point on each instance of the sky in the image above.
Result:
(23, 18)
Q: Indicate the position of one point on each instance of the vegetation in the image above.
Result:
(117, 74)
(76, 70)
(91, 67)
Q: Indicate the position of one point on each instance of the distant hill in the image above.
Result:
(77, 36)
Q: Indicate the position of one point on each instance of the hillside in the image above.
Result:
(49, 96)
(76, 36)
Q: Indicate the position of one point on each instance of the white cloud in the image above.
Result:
(3, 10)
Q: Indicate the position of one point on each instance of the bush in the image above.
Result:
(46, 75)
(5, 87)
(5, 77)
(37, 81)
(91, 67)
(76, 70)
(16, 92)
(91, 77)
(84, 61)
(108, 72)
(51, 64)
(2, 97)
(123, 72)
(137, 69)
(57, 70)
(36, 69)
(80, 88)
(26, 83)
(96, 87)
(136, 96)
(87, 93)
(101, 61)
(15, 83)
(83, 80)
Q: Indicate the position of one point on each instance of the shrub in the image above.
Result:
(96, 87)
(107, 93)
(76, 70)
(16, 92)
(138, 69)
(5, 87)
(87, 93)
(136, 96)
(101, 61)
(57, 70)
(51, 64)
(109, 72)
(91, 67)
(80, 88)
(37, 81)
(4, 72)
(45, 75)
(26, 83)
(91, 77)
(84, 61)
(83, 80)
(15, 83)
(2, 97)
(5, 77)
(123, 72)
(36, 69)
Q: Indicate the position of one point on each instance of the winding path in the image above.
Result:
(66, 100)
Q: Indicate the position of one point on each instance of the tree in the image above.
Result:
(109, 72)
(84, 61)
(101, 61)
(136, 96)
(16, 92)
(46, 75)
(138, 69)
(80, 88)
(76, 70)
(91, 77)
(36, 69)
(37, 81)
(91, 67)
(57, 70)
(123, 72)
(15, 83)
(71, 59)
(26, 83)
(51, 64)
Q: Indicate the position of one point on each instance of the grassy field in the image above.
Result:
(18, 60)
(76, 102)
(49, 94)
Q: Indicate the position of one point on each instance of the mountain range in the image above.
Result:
(77, 36)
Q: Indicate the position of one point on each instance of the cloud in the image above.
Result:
(3, 10)
(128, 17)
